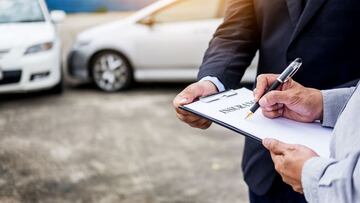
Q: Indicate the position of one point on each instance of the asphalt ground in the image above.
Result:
(90, 146)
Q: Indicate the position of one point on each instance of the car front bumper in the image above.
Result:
(34, 72)
(78, 66)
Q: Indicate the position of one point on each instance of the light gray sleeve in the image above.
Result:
(334, 102)
(327, 180)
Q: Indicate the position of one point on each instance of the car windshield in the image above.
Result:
(20, 11)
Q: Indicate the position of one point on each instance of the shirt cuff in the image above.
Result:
(216, 82)
(312, 171)
(333, 104)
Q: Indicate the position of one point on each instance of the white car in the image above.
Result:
(30, 56)
(165, 41)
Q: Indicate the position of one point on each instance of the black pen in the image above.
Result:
(284, 77)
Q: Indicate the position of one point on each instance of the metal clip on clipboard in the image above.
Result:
(218, 96)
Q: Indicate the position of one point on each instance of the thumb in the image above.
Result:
(183, 99)
(275, 97)
(263, 81)
(275, 146)
(188, 95)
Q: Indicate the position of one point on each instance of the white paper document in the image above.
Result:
(230, 108)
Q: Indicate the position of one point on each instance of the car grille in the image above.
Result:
(3, 52)
(10, 77)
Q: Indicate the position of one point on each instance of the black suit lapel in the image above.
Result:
(310, 10)
(295, 9)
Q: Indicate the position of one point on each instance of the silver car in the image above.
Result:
(165, 41)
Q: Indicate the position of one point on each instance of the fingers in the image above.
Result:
(195, 122)
(272, 104)
(296, 186)
(273, 114)
(192, 120)
(206, 125)
(298, 189)
(194, 91)
(273, 111)
(187, 117)
(187, 96)
(275, 97)
(262, 83)
(274, 107)
(278, 161)
(201, 124)
(276, 147)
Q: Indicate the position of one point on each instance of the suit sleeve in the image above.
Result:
(328, 180)
(333, 103)
(233, 46)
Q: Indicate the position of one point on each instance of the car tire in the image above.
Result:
(111, 71)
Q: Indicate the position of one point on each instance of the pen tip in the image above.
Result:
(248, 115)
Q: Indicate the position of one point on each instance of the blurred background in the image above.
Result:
(86, 89)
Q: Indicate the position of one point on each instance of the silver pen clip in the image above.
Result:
(293, 72)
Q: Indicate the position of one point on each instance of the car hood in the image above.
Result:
(25, 34)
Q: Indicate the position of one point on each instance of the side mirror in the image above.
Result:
(148, 21)
(57, 16)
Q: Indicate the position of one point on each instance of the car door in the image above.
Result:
(176, 37)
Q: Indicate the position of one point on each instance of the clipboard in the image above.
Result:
(214, 98)
(229, 108)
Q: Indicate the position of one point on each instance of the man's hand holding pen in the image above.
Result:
(293, 101)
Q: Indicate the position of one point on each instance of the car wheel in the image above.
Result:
(111, 72)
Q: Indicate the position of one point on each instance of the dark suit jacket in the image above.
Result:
(326, 35)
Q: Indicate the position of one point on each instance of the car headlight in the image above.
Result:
(39, 48)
